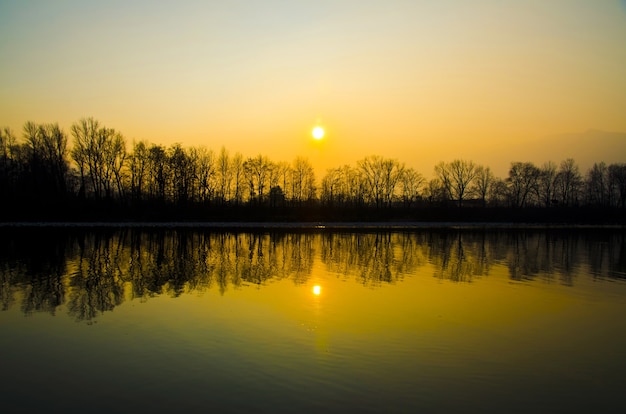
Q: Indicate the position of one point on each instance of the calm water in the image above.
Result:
(162, 320)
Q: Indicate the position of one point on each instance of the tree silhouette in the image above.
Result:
(257, 171)
(95, 174)
(568, 182)
(617, 183)
(47, 164)
(483, 183)
(100, 154)
(456, 177)
(411, 183)
(138, 169)
(302, 181)
(523, 180)
(598, 184)
(225, 176)
(547, 182)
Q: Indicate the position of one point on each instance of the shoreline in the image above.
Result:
(347, 225)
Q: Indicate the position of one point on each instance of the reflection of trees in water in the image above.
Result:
(257, 267)
(96, 284)
(607, 254)
(94, 271)
(298, 253)
(146, 264)
(547, 254)
(461, 256)
(566, 258)
(32, 264)
(8, 284)
(551, 255)
(372, 258)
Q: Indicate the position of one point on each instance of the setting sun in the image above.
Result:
(317, 289)
(318, 132)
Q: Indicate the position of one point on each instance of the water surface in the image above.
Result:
(121, 320)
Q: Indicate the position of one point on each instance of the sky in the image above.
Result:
(492, 81)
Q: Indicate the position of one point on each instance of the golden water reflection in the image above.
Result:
(313, 321)
(91, 272)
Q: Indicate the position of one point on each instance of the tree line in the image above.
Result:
(94, 167)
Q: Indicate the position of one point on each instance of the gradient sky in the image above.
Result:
(421, 81)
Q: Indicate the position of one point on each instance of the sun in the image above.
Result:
(317, 290)
(318, 132)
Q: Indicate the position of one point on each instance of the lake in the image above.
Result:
(313, 320)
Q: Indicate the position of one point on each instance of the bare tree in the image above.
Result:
(546, 183)
(302, 180)
(522, 180)
(7, 143)
(182, 173)
(87, 154)
(207, 169)
(330, 192)
(275, 176)
(257, 171)
(352, 186)
(483, 182)
(238, 178)
(8, 165)
(380, 178)
(225, 175)
(392, 172)
(411, 183)
(617, 177)
(157, 167)
(456, 177)
(138, 166)
(283, 173)
(115, 158)
(371, 171)
(47, 157)
(597, 185)
(569, 182)
(499, 193)
(436, 191)
(100, 154)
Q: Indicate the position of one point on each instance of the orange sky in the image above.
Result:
(421, 81)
